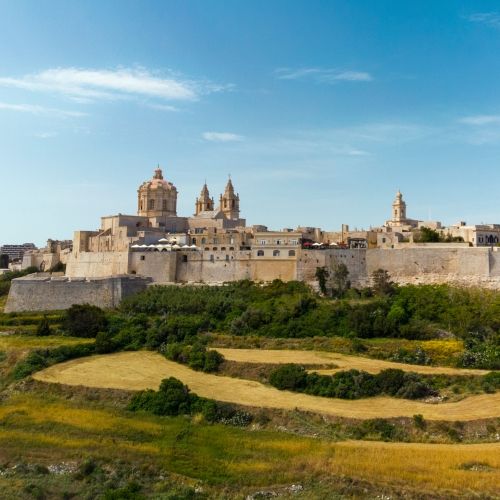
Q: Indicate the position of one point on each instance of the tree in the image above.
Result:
(84, 320)
(43, 328)
(428, 235)
(340, 283)
(322, 276)
(381, 283)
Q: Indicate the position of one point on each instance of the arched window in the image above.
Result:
(291, 253)
(260, 253)
(211, 258)
(214, 249)
(203, 241)
(276, 253)
(207, 249)
(223, 249)
(184, 258)
(151, 204)
(164, 204)
(193, 241)
(231, 248)
(227, 257)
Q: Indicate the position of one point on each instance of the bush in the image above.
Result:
(84, 320)
(351, 384)
(196, 356)
(43, 328)
(289, 377)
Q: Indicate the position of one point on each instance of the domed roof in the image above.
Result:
(158, 182)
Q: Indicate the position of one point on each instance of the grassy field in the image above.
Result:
(28, 342)
(341, 361)
(226, 461)
(143, 370)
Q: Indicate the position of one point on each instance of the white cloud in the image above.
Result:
(489, 18)
(89, 84)
(46, 135)
(481, 119)
(162, 107)
(39, 110)
(323, 75)
(221, 137)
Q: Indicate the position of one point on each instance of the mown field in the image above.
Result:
(145, 370)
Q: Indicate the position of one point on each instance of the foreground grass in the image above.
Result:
(49, 429)
(145, 370)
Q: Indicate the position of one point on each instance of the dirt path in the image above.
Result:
(143, 370)
(342, 361)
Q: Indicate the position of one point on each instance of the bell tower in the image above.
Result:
(204, 203)
(230, 202)
(399, 209)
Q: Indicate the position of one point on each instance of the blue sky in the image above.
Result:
(320, 110)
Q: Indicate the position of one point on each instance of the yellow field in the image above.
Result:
(143, 370)
(341, 361)
(55, 426)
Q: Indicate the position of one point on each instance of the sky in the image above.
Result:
(319, 110)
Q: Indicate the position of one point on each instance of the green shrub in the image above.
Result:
(84, 320)
(289, 377)
(43, 328)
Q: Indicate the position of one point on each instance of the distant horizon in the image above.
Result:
(319, 110)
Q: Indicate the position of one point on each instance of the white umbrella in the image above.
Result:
(194, 247)
(185, 246)
(135, 246)
(176, 247)
(316, 244)
(164, 240)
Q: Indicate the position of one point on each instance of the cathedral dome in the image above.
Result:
(158, 181)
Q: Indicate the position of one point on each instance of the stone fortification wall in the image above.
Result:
(354, 259)
(45, 293)
(97, 264)
(160, 266)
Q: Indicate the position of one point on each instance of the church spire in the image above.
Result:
(230, 202)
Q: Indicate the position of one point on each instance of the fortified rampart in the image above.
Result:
(41, 292)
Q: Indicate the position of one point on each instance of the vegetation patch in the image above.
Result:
(352, 384)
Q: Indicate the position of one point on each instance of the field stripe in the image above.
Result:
(145, 370)
(342, 361)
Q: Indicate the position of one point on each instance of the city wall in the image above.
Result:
(40, 292)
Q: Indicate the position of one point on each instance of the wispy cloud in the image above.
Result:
(221, 137)
(46, 135)
(91, 84)
(480, 119)
(39, 110)
(162, 107)
(323, 75)
(489, 18)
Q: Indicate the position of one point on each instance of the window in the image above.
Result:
(193, 241)
(212, 258)
(199, 230)
(260, 253)
(203, 241)
(231, 248)
(216, 241)
(143, 257)
(214, 249)
(223, 249)
(291, 253)
(184, 258)
(279, 242)
(140, 206)
(294, 242)
(151, 204)
(227, 257)
(263, 242)
(207, 249)
(164, 204)
(276, 253)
